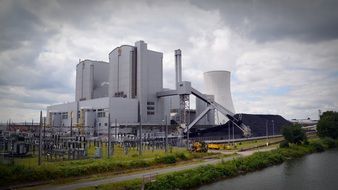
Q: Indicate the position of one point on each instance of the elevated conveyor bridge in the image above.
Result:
(184, 88)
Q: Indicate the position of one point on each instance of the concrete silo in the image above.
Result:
(217, 83)
(92, 80)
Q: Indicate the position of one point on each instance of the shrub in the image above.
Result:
(294, 134)
(168, 159)
(284, 144)
(329, 142)
(138, 164)
(328, 125)
(318, 147)
(181, 156)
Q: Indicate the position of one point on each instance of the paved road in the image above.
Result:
(127, 177)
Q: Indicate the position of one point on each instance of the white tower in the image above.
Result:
(217, 83)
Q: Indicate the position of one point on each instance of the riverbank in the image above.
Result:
(211, 173)
(17, 175)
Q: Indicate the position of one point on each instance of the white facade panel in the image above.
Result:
(54, 112)
(150, 81)
(123, 110)
(121, 77)
(98, 103)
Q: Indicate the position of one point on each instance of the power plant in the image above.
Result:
(123, 102)
(128, 91)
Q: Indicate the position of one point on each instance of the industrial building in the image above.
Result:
(128, 91)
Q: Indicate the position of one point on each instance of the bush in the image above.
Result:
(328, 125)
(318, 147)
(181, 156)
(169, 159)
(294, 134)
(329, 142)
(284, 144)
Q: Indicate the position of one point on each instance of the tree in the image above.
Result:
(294, 134)
(328, 125)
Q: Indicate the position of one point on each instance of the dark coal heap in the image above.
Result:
(257, 123)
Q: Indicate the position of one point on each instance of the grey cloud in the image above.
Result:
(48, 37)
(264, 20)
(19, 26)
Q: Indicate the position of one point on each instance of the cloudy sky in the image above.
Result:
(283, 55)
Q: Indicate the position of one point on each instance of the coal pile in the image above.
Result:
(257, 123)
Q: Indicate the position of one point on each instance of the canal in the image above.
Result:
(314, 171)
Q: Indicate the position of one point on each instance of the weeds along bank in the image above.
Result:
(14, 174)
(206, 174)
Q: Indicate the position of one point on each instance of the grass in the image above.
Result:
(23, 171)
(117, 156)
(206, 174)
(124, 185)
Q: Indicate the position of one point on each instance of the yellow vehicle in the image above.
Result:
(214, 146)
(199, 146)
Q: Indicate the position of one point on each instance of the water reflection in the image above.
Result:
(315, 171)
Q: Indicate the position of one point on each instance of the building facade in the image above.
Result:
(125, 89)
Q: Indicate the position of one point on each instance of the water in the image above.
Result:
(311, 172)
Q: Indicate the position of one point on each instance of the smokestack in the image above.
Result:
(178, 66)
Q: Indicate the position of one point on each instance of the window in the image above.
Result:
(101, 114)
(150, 108)
(120, 94)
(105, 124)
(64, 115)
(99, 124)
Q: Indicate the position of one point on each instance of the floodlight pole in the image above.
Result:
(140, 148)
(166, 135)
(273, 127)
(266, 131)
(233, 134)
(40, 139)
(229, 129)
(116, 130)
(109, 136)
(71, 124)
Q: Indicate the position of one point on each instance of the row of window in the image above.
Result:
(64, 115)
(105, 124)
(101, 114)
(150, 108)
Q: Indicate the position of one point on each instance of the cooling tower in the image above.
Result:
(217, 83)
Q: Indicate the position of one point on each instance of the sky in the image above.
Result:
(283, 55)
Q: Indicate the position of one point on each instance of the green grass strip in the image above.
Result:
(210, 173)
